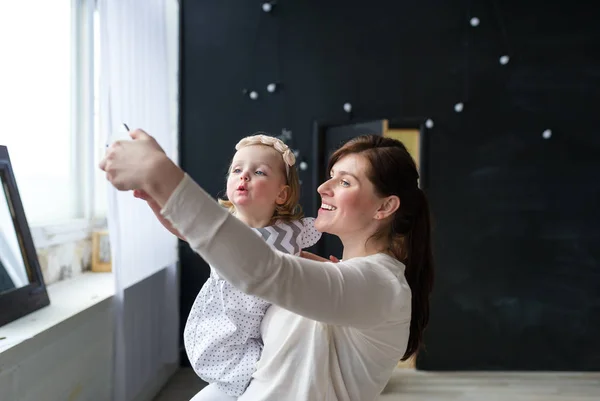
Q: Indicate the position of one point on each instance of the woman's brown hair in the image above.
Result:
(394, 172)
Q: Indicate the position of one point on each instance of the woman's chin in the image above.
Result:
(321, 225)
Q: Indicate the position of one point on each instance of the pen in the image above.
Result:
(126, 127)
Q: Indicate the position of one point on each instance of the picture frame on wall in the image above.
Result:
(101, 253)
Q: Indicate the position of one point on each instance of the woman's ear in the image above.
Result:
(388, 207)
(283, 195)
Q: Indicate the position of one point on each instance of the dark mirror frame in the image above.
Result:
(21, 301)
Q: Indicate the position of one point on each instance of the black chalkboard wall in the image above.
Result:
(517, 226)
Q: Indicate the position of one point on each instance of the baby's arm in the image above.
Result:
(156, 209)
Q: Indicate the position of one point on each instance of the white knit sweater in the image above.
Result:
(335, 331)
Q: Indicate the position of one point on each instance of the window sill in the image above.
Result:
(69, 300)
(48, 235)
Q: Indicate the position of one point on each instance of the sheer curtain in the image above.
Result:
(134, 89)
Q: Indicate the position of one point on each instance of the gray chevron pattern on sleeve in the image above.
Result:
(289, 237)
(283, 236)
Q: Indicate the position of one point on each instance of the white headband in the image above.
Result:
(260, 139)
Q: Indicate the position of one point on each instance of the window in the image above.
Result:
(47, 107)
(35, 77)
(100, 184)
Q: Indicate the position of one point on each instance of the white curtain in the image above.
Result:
(134, 89)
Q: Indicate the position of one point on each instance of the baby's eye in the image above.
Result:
(344, 183)
(236, 170)
(258, 172)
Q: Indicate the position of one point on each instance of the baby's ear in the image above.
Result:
(283, 195)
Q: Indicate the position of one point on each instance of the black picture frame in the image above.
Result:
(18, 302)
(319, 155)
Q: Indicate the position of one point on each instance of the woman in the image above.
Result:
(335, 331)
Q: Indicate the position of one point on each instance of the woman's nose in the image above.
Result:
(324, 189)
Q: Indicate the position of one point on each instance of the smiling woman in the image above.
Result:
(334, 331)
(350, 202)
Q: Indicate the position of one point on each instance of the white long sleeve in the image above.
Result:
(350, 293)
(222, 333)
(335, 332)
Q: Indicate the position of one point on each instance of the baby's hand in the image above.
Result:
(312, 256)
(143, 195)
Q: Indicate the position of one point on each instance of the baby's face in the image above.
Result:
(256, 180)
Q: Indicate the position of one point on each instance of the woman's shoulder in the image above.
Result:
(381, 262)
(387, 271)
(386, 276)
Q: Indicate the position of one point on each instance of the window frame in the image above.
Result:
(82, 136)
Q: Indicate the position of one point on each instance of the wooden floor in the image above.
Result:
(408, 385)
(493, 386)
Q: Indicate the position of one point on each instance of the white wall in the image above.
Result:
(73, 361)
(151, 336)
(68, 350)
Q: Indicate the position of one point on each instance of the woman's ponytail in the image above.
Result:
(414, 249)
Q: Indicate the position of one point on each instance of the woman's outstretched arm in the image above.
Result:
(358, 292)
(354, 293)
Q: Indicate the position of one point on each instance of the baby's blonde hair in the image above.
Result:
(291, 209)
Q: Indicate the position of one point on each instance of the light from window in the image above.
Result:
(100, 183)
(35, 100)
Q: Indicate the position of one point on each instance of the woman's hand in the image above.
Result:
(141, 194)
(141, 164)
(312, 256)
(128, 164)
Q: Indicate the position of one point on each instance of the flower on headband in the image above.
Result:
(289, 158)
(277, 144)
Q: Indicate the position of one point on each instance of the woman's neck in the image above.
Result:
(361, 246)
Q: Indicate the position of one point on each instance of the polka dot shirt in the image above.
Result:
(222, 333)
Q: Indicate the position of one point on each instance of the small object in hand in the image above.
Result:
(110, 138)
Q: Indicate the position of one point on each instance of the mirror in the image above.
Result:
(12, 265)
(22, 288)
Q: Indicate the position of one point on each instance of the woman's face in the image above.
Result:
(349, 202)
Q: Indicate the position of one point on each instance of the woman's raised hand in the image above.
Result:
(129, 164)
